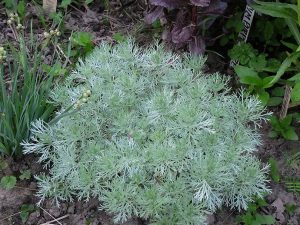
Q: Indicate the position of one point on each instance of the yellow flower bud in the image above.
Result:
(46, 34)
(89, 93)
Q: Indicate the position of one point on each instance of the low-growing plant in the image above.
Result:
(8, 182)
(290, 13)
(293, 185)
(25, 175)
(256, 71)
(253, 217)
(274, 171)
(283, 128)
(151, 137)
(25, 210)
(24, 92)
(82, 43)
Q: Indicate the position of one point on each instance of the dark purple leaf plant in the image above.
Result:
(186, 21)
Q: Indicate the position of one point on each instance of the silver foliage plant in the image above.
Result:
(157, 139)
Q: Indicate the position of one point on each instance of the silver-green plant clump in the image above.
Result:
(153, 137)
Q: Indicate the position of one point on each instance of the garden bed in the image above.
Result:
(88, 213)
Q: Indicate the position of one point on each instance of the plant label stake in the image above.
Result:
(286, 102)
(243, 35)
(49, 6)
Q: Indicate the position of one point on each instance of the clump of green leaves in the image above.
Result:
(23, 97)
(156, 138)
(259, 72)
(232, 27)
(26, 209)
(283, 128)
(82, 44)
(253, 217)
(8, 182)
(254, 71)
(25, 175)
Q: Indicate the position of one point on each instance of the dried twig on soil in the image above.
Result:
(56, 220)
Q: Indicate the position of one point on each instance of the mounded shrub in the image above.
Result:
(150, 136)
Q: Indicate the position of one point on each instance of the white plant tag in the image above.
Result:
(243, 35)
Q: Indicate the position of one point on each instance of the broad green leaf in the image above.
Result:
(21, 9)
(274, 101)
(295, 77)
(298, 6)
(266, 81)
(274, 172)
(272, 65)
(296, 116)
(273, 134)
(278, 91)
(8, 182)
(263, 96)
(280, 10)
(264, 219)
(294, 28)
(275, 123)
(247, 75)
(82, 38)
(284, 66)
(286, 121)
(260, 202)
(26, 209)
(291, 46)
(295, 94)
(290, 134)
